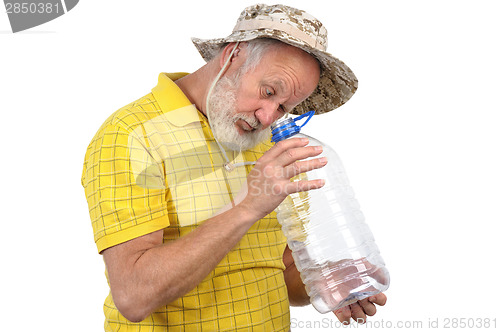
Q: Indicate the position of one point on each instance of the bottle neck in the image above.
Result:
(284, 129)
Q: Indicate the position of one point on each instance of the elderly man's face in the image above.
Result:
(242, 111)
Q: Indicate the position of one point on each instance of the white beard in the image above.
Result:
(222, 119)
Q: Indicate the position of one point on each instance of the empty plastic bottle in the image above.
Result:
(332, 246)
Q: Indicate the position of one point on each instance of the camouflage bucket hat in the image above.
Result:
(297, 28)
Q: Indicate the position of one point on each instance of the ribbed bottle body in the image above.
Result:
(332, 246)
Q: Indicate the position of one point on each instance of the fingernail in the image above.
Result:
(304, 140)
(318, 148)
(323, 160)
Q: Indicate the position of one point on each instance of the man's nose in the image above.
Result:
(267, 114)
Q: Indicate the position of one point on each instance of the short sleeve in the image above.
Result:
(124, 185)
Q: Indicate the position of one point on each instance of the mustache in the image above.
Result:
(252, 121)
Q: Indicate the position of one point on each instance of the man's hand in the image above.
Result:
(269, 181)
(359, 310)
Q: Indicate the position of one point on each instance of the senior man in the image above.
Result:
(187, 244)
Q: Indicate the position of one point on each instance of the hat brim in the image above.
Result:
(337, 83)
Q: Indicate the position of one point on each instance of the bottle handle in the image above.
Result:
(309, 116)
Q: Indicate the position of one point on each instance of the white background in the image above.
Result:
(420, 142)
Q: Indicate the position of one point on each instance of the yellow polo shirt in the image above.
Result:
(154, 164)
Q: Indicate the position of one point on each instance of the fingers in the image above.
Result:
(284, 161)
(354, 311)
(343, 315)
(357, 313)
(379, 299)
(282, 146)
(359, 310)
(289, 151)
(290, 156)
(368, 307)
(304, 166)
(299, 186)
(269, 182)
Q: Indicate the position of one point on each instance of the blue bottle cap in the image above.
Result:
(286, 128)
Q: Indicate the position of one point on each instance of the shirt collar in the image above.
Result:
(173, 102)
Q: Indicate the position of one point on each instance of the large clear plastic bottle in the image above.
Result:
(332, 246)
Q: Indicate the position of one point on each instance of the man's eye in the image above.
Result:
(269, 93)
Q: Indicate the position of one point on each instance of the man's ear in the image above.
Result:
(226, 53)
